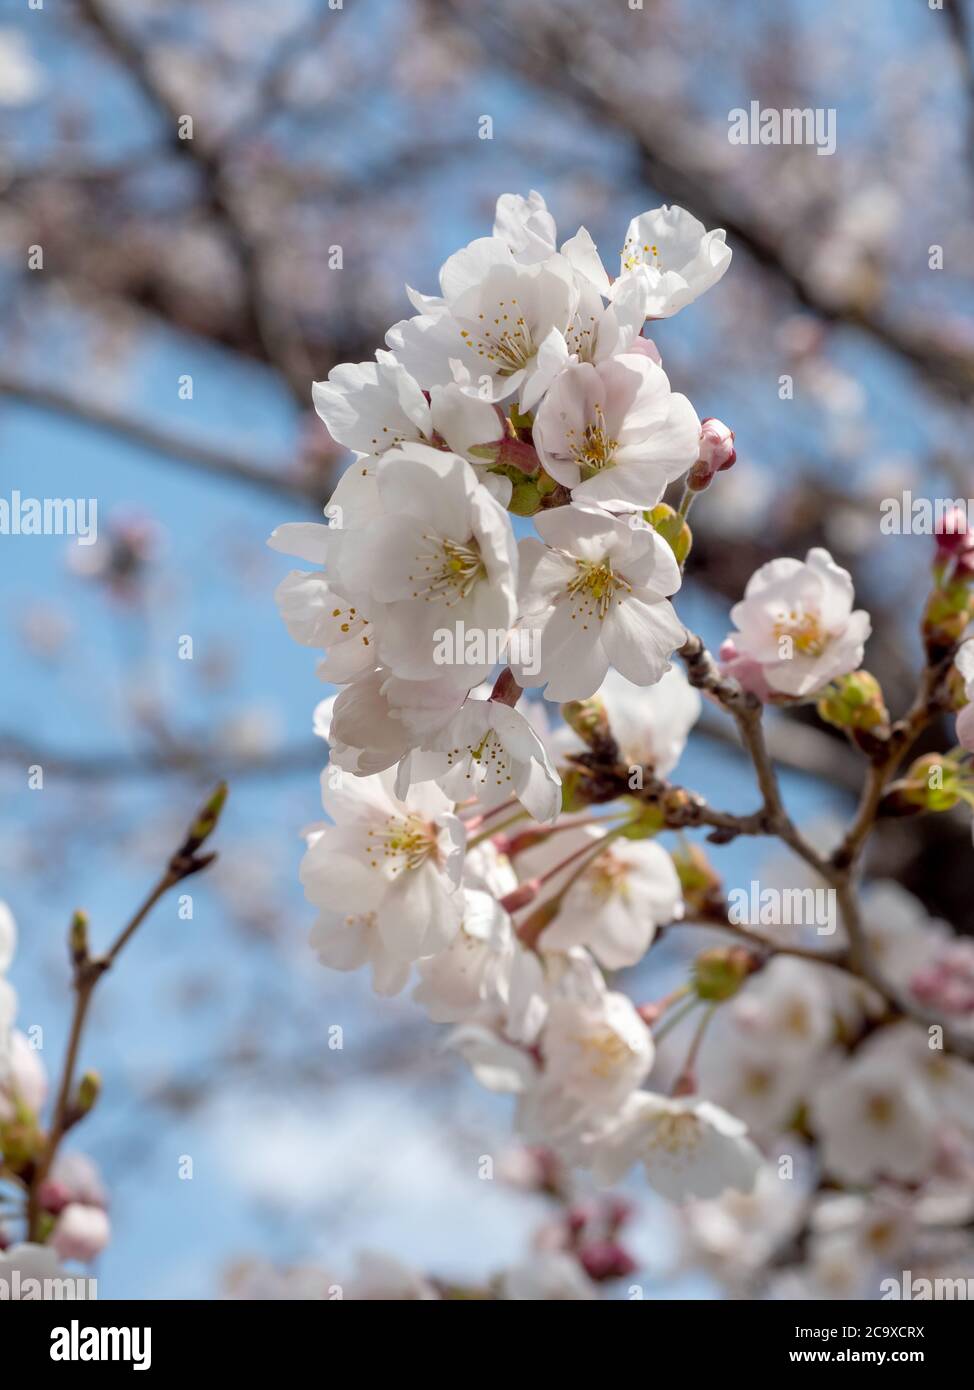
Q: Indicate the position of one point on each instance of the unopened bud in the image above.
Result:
(525, 497)
(646, 821)
(954, 535)
(606, 1259)
(89, 1089)
(78, 937)
(675, 802)
(946, 617)
(509, 453)
(588, 718)
(744, 669)
(955, 690)
(719, 973)
(932, 783)
(54, 1196)
(673, 528)
(854, 701)
(207, 820)
(716, 453)
(20, 1139)
(699, 880)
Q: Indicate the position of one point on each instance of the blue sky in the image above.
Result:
(283, 1167)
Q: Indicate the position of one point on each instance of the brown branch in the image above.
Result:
(275, 480)
(841, 870)
(88, 970)
(904, 733)
(279, 338)
(177, 760)
(563, 58)
(773, 819)
(765, 945)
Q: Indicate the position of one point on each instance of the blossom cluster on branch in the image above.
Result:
(502, 527)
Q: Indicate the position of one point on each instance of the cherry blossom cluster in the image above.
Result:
(501, 528)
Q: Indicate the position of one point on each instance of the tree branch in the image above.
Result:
(89, 969)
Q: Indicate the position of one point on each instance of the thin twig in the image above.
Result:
(88, 970)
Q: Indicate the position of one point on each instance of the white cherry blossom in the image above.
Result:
(30, 1261)
(759, 1086)
(489, 751)
(675, 256)
(81, 1232)
(399, 858)
(497, 1064)
(526, 225)
(595, 1053)
(499, 328)
(947, 1080)
(456, 982)
(614, 433)
(441, 552)
(784, 1010)
(380, 1278)
(371, 407)
(594, 589)
(317, 615)
(797, 623)
(688, 1147)
(347, 941)
(23, 1076)
(616, 903)
(379, 718)
(872, 1120)
(650, 724)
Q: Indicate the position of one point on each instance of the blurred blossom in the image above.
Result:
(21, 76)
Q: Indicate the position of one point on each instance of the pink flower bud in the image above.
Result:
(54, 1196)
(80, 1232)
(606, 1259)
(717, 444)
(716, 453)
(743, 669)
(954, 535)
